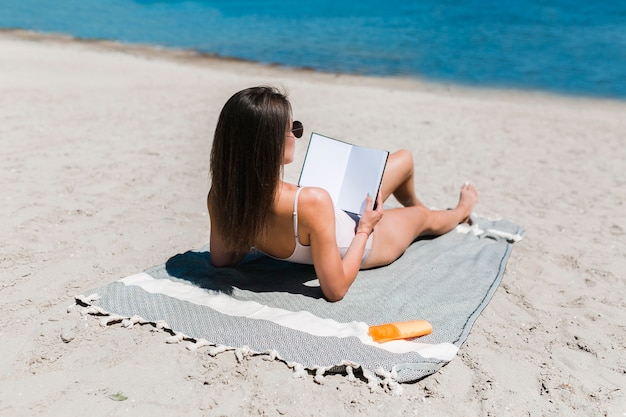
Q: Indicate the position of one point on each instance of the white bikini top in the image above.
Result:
(344, 229)
(301, 253)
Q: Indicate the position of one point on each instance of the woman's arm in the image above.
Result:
(220, 257)
(334, 273)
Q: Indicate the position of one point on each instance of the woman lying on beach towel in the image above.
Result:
(250, 206)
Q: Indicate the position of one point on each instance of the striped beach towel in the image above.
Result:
(265, 306)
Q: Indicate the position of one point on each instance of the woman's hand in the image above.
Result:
(370, 217)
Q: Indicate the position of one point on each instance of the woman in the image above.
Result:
(250, 206)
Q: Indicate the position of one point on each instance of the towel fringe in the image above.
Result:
(510, 237)
(217, 349)
(389, 381)
(162, 325)
(477, 231)
(270, 355)
(198, 344)
(242, 353)
(176, 338)
(466, 228)
(319, 376)
(373, 382)
(298, 370)
(130, 322)
(92, 310)
(113, 318)
(350, 373)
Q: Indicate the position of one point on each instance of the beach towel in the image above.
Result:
(266, 306)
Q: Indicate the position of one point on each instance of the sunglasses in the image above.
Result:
(297, 129)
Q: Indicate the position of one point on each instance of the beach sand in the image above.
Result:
(105, 172)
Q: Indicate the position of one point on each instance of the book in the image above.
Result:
(348, 172)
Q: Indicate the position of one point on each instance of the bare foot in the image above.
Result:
(467, 200)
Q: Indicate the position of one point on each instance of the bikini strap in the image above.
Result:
(295, 214)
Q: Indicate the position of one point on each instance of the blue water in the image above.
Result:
(562, 46)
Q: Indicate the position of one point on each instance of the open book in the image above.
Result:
(348, 172)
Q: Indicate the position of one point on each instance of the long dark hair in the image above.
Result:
(246, 160)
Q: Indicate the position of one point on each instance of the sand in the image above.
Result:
(104, 173)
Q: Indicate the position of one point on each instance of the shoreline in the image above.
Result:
(106, 173)
(194, 57)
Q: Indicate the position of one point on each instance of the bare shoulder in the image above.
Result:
(315, 206)
(314, 197)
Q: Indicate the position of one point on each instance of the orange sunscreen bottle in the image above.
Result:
(401, 330)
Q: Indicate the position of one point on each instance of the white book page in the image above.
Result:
(362, 176)
(325, 164)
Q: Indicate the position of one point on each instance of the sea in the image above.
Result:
(560, 46)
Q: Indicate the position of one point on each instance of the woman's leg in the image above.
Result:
(398, 179)
(401, 226)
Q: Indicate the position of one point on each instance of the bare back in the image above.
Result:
(279, 238)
